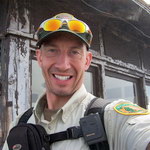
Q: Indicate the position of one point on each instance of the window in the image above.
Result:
(117, 47)
(38, 84)
(0, 60)
(88, 82)
(119, 88)
(0, 70)
(1, 135)
(148, 95)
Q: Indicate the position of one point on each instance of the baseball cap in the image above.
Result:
(64, 22)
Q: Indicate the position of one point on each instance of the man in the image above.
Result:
(64, 56)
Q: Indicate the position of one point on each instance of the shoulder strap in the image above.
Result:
(25, 117)
(97, 105)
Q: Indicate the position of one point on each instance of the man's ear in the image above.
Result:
(38, 56)
(88, 60)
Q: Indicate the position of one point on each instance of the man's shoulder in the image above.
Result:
(126, 108)
(20, 116)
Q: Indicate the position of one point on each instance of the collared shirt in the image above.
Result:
(68, 116)
(124, 132)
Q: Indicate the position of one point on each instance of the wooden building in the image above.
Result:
(121, 51)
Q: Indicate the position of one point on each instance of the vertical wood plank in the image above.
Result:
(19, 75)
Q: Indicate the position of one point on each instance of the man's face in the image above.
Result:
(63, 60)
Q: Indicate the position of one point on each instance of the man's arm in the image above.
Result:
(132, 131)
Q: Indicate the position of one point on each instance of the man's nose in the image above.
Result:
(63, 62)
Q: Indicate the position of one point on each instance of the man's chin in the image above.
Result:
(63, 93)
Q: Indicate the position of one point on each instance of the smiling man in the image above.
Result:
(63, 59)
(63, 55)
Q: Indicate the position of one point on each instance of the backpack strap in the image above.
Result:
(25, 117)
(97, 105)
(74, 132)
(71, 133)
(89, 124)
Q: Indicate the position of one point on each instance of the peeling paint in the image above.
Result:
(22, 48)
(19, 18)
(11, 79)
(123, 64)
(19, 75)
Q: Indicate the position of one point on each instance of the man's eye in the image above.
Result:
(75, 52)
(52, 50)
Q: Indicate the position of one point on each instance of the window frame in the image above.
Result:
(147, 83)
(136, 85)
(96, 71)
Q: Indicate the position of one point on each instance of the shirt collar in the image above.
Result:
(39, 106)
(66, 110)
(73, 102)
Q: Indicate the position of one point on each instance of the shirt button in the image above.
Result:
(49, 127)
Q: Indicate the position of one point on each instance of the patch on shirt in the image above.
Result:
(130, 109)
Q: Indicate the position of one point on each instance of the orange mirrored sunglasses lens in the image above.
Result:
(52, 25)
(76, 26)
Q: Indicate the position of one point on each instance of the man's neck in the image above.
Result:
(56, 102)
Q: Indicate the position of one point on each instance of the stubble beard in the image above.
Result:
(61, 93)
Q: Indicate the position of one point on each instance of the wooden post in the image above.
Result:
(18, 32)
(19, 75)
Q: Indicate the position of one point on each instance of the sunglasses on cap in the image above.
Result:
(65, 22)
(76, 26)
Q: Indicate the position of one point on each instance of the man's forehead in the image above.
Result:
(53, 45)
(63, 36)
